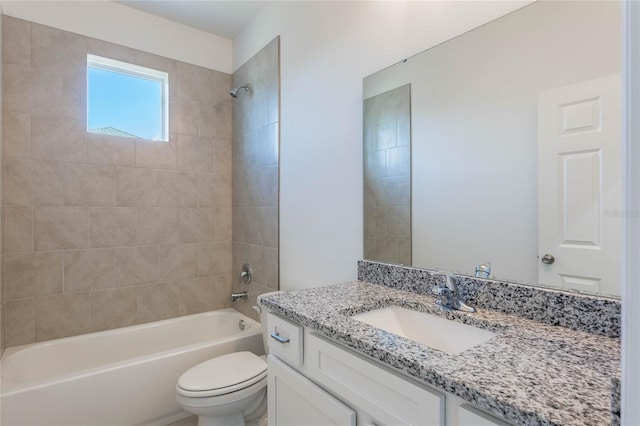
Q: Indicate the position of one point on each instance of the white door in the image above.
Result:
(580, 186)
(294, 400)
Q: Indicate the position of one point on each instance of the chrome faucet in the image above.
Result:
(241, 295)
(449, 295)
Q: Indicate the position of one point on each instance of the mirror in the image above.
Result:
(514, 155)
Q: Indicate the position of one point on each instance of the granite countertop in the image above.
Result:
(529, 373)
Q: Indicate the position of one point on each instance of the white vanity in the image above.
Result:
(329, 367)
(313, 381)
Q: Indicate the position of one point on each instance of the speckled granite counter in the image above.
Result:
(530, 373)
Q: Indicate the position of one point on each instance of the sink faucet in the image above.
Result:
(449, 295)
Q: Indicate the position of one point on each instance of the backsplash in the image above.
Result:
(591, 314)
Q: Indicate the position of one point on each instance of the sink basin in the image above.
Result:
(430, 330)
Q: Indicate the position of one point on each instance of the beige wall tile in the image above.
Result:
(74, 93)
(111, 150)
(57, 139)
(271, 267)
(196, 296)
(221, 87)
(158, 225)
(16, 37)
(112, 227)
(222, 292)
(60, 228)
(195, 83)
(89, 185)
(222, 157)
(157, 302)
(155, 154)
(45, 93)
(95, 226)
(18, 322)
(17, 84)
(222, 219)
(195, 154)
(111, 51)
(177, 262)
(205, 259)
(268, 145)
(221, 260)
(184, 116)
(51, 47)
(136, 187)
(19, 276)
(196, 225)
(176, 189)
(215, 118)
(86, 270)
(32, 182)
(49, 272)
(113, 308)
(136, 265)
(18, 228)
(62, 316)
(16, 130)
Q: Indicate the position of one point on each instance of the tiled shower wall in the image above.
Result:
(101, 231)
(255, 174)
(387, 176)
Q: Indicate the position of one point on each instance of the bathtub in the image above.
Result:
(125, 376)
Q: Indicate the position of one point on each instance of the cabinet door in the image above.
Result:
(296, 401)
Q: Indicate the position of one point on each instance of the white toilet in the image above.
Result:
(229, 390)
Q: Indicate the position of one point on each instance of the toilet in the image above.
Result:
(229, 390)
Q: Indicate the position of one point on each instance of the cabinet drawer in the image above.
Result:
(469, 416)
(285, 339)
(386, 397)
(295, 401)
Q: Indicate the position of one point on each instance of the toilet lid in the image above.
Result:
(224, 374)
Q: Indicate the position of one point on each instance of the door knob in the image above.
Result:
(548, 259)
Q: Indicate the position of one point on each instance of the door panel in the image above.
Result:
(579, 186)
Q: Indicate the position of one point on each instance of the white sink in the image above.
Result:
(430, 330)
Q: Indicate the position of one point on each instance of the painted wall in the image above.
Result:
(327, 48)
(474, 129)
(116, 23)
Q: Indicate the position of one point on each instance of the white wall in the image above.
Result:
(631, 291)
(474, 130)
(116, 23)
(327, 48)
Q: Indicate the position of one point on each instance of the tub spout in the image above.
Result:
(236, 296)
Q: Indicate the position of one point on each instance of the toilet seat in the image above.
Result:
(223, 375)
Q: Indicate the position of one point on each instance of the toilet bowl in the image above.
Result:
(226, 390)
(229, 390)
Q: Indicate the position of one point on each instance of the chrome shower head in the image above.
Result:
(234, 93)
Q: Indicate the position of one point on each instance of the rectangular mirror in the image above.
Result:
(515, 151)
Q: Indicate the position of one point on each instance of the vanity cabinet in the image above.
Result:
(295, 401)
(314, 381)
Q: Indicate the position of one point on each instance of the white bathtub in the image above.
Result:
(125, 376)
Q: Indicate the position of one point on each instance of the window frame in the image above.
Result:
(133, 70)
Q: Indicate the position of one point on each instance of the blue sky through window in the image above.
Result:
(124, 102)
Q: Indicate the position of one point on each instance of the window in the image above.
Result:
(127, 100)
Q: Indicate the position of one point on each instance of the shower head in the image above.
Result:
(234, 93)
